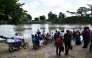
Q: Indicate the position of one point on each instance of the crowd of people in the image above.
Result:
(63, 40)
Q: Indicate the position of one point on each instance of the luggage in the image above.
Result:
(71, 47)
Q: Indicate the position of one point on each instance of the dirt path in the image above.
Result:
(48, 51)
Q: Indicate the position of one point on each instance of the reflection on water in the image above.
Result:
(27, 29)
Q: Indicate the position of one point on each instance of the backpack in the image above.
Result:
(33, 39)
(58, 42)
(67, 37)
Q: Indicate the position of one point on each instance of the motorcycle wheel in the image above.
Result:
(35, 46)
(25, 46)
(11, 48)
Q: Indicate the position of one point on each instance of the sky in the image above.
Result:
(37, 8)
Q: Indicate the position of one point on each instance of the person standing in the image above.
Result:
(38, 32)
(55, 36)
(85, 35)
(43, 34)
(58, 44)
(62, 34)
(52, 36)
(67, 41)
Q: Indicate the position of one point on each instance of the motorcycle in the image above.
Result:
(35, 46)
(15, 45)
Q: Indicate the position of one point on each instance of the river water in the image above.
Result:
(26, 30)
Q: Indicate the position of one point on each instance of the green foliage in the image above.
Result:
(82, 10)
(11, 11)
(52, 17)
(42, 18)
(36, 19)
(61, 17)
(49, 16)
(29, 17)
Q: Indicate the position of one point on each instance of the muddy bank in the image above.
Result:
(48, 51)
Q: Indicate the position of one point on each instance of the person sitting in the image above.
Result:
(41, 43)
(77, 38)
(17, 39)
(48, 37)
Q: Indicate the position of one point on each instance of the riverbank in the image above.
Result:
(48, 51)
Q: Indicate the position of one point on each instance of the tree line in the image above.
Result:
(11, 12)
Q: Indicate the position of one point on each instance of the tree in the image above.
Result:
(11, 11)
(54, 18)
(82, 11)
(29, 17)
(36, 19)
(90, 9)
(61, 17)
(49, 15)
(72, 13)
(42, 18)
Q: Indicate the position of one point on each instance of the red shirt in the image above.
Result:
(86, 34)
(47, 35)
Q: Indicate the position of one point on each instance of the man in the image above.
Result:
(38, 32)
(17, 40)
(85, 35)
(67, 41)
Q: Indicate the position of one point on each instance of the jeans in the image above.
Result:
(85, 43)
(58, 50)
(78, 41)
(20, 43)
(67, 46)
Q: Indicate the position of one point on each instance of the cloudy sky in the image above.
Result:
(42, 7)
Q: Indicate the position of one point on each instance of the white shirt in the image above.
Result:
(62, 34)
(16, 38)
(43, 33)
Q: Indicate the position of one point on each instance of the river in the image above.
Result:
(26, 30)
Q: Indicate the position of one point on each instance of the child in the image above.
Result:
(41, 43)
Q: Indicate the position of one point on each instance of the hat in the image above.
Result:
(67, 31)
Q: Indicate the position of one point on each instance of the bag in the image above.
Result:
(33, 39)
(62, 48)
(62, 37)
(10, 41)
(58, 42)
(71, 47)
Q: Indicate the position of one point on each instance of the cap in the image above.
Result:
(67, 31)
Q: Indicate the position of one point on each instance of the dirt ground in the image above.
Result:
(48, 51)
